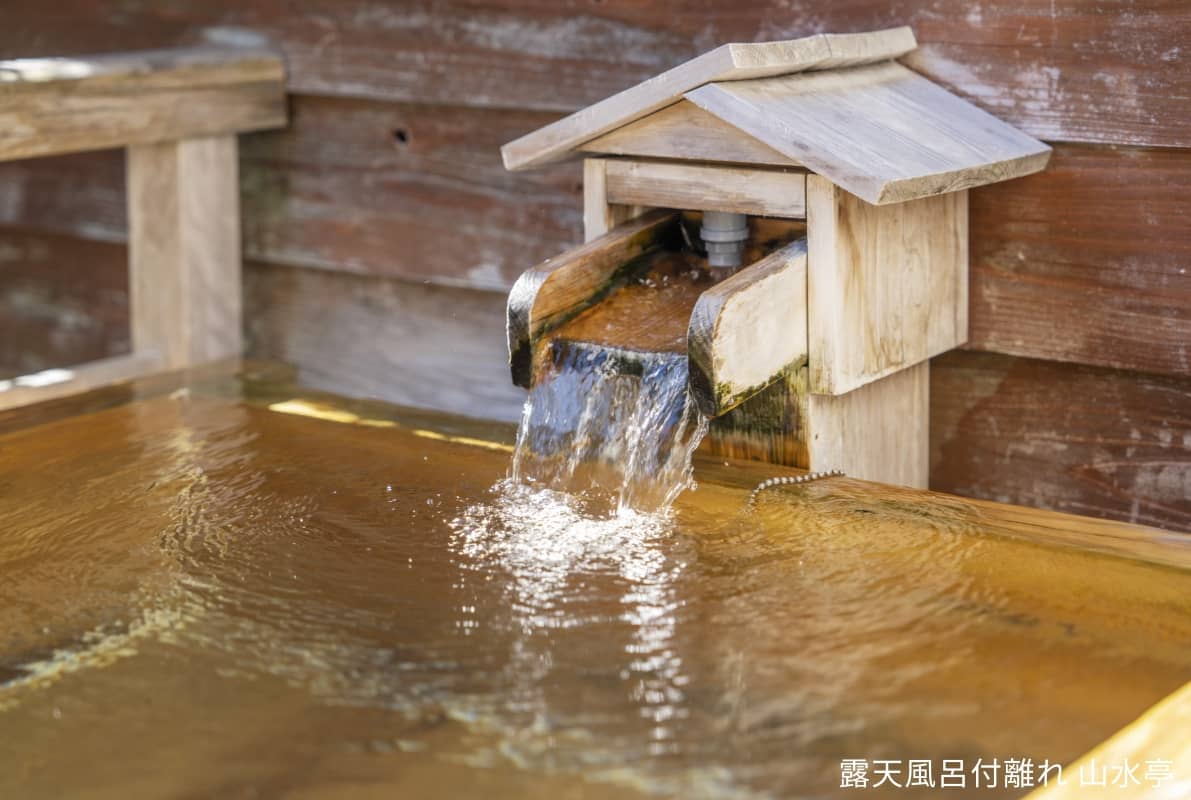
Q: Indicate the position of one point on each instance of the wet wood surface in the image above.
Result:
(566, 285)
(651, 312)
(747, 330)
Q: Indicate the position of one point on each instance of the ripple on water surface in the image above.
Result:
(203, 597)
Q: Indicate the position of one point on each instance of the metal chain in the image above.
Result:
(787, 480)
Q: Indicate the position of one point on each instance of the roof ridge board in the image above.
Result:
(733, 61)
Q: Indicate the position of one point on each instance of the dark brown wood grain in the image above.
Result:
(1088, 262)
(407, 343)
(405, 190)
(63, 301)
(1086, 440)
(1063, 70)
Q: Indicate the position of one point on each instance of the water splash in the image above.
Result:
(608, 422)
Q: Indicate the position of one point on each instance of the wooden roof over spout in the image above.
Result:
(838, 105)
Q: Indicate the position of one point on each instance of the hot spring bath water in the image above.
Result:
(206, 591)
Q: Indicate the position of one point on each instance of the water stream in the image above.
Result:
(611, 425)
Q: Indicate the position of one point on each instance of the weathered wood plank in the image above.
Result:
(882, 132)
(411, 191)
(184, 250)
(767, 192)
(1084, 440)
(887, 285)
(1062, 70)
(554, 291)
(1086, 262)
(748, 329)
(63, 301)
(63, 105)
(1089, 262)
(600, 215)
(877, 432)
(59, 382)
(401, 190)
(127, 73)
(406, 343)
(728, 62)
(683, 130)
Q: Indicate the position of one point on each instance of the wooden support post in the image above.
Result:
(184, 249)
(879, 432)
(887, 285)
(600, 216)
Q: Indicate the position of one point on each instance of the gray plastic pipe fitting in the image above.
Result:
(724, 235)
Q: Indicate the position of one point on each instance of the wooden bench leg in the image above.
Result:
(184, 249)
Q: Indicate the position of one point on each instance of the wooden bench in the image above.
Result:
(177, 113)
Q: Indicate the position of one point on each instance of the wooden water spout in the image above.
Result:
(853, 172)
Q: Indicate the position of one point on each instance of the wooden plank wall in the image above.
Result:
(381, 228)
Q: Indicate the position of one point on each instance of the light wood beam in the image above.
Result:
(54, 383)
(699, 187)
(887, 285)
(67, 105)
(878, 432)
(184, 249)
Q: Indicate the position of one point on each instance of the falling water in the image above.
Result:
(611, 422)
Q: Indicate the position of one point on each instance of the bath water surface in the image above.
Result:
(241, 590)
